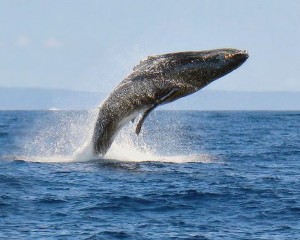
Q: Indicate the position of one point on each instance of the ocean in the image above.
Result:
(189, 175)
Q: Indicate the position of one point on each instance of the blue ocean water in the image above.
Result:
(190, 175)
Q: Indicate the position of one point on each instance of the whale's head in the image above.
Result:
(194, 69)
(201, 68)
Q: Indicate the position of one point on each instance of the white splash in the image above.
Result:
(131, 148)
(60, 137)
(84, 153)
(68, 139)
(123, 152)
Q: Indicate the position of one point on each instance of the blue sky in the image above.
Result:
(92, 45)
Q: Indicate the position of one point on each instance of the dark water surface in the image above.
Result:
(229, 175)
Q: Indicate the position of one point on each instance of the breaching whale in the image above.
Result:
(159, 80)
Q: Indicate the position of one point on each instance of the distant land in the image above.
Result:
(52, 99)
(45, 99)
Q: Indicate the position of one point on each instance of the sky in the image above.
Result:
(92, 45)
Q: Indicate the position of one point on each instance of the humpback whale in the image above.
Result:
(159, 80)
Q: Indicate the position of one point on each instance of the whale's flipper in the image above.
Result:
(159, 101)
(142, 120)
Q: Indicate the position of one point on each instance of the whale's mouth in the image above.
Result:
(243, 54)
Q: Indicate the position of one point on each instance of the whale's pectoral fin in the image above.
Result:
(162, 99)
(142, 120)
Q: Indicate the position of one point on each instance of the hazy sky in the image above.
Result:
(92, 45)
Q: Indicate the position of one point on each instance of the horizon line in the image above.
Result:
(203, 90)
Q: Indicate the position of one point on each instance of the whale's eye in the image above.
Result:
(220, 57)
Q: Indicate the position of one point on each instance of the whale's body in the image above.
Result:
(159, 80)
